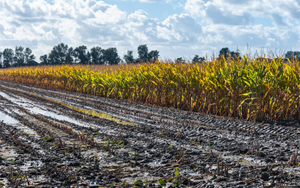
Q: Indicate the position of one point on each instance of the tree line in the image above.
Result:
(63, 54)
(15, 58)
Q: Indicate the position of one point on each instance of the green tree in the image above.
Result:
(97, 55)
(19, 56)
(1, 55)
(224, 52)
(58, 54)
(31, 60)
(292, 54)
(44, 59)
(143, 53)
(69, 56)
(129, 57)
(81, 54)
(153, 55)
(8, 57)
(111, 56)
(27, 54)
(179, 60)
(198, 59)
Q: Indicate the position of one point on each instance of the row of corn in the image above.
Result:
(253, 89)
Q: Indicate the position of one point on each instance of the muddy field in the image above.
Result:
(61, 139)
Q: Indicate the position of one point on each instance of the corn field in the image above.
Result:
(252, 89)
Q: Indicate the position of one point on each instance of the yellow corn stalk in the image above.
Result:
(253, 89)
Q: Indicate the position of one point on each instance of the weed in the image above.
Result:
(48, 139)
(162, 182)
(139, 183)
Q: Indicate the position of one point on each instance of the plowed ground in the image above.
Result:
(51, 138)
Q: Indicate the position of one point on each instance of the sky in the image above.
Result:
(176, 28)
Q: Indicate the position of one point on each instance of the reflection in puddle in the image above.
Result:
(101, 115)
(91, 112)
(28, 105)
(5, 96)
(250, 161)
(37, 110)
(7, 119)
(15, 123)
(31, 165)
(155, 164)
(26, 130)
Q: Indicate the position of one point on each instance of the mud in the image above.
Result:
(52, 138)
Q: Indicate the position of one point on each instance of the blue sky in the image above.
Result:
(160, 9)
(176, 28)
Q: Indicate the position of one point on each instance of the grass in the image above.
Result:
(252, 89)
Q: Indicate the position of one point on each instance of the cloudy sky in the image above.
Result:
(176, 28)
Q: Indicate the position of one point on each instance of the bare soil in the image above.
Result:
(52, 138)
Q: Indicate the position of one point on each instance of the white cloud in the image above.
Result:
(239, 11)
(258, 23)
(91, 23)
(202, 27)
(73, 22)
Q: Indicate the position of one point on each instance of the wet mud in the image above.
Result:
(52, 138)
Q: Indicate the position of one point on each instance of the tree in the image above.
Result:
(153, 55)
(289, 55)
(129, 57)
(31, 61)
(27, 54)
(143, 53)
(8, 57)
(198, 59)
(111, 56)
(179, 60)
(292, 54)
(89, 56)
(69, 56)
(97, 55)
(1, 54)
(81, 54)
(224, 52)
(19, 56)
(58, 54)
(44, 59)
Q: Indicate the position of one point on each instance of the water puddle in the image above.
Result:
(213, 167)
(250, 161)
(101, 115)
(26, 130)
(15, 123)
(155, 164)
(37, 110)
(96, 114)
(7, 119)
(36, 146)
(31, 165)
(91, 112)
(6, 96)
(194, 174)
